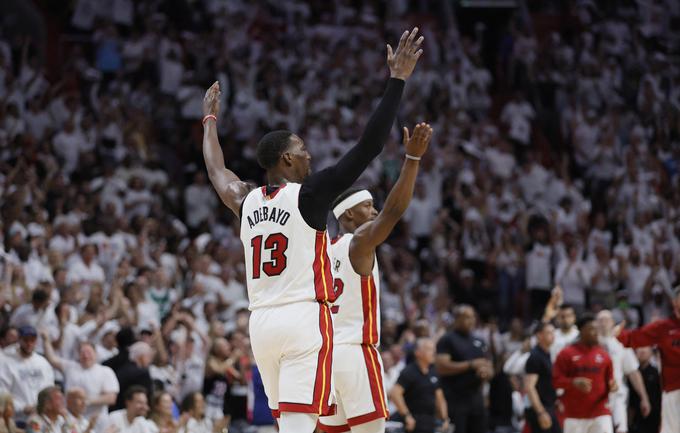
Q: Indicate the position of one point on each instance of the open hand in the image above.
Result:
(404, 59)
(211, 100)
(417, 144)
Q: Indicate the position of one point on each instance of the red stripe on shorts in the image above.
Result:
(323, 281)
(369, 305)
(374, 370)
(322, 383)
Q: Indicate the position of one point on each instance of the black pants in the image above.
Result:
(468, 418)
(532, 419)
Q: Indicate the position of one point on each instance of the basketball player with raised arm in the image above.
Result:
(357, 369)
(283, 230)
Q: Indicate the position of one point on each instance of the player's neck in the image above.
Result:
(276, 177)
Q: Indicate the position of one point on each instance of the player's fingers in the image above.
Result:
(406, 135)
(402, 40)
(412, 36)
(418, 42)
(419, 132)
(418, 54)
(390, 53)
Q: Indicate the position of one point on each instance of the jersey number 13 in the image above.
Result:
(277, 244)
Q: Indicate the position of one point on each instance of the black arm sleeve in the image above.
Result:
(321, 188)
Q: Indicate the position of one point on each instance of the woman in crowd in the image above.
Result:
(161, 413)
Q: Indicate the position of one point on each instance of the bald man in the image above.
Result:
(625, 363)
(76, 403)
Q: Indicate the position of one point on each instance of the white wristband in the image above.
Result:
(414, 158)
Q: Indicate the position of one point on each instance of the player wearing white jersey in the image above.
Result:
(283, 230)
(357, 369)
(625, 365)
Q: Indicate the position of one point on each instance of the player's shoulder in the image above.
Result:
(341, 240)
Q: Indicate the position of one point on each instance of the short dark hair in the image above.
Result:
(344, 195)
(584, 320)
(566, 307)
(271, 147)
(132, 391)
(189, 402)
(39, 296)
(540, 326)
(43, 396)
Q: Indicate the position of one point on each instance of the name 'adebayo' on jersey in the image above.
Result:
(272, 214)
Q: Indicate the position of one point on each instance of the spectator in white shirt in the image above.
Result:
(566, 332)
(193, 415)
(50, 409)
(132, 418)
(572, 275)
(199, 200)
(625, 365)
(76, 402)
(36, 314)
(636, 276)
(86, 271)
(538, 271)
(99, 382)
(517, 115)
(604, 277)
(67, 145)
(22, 372)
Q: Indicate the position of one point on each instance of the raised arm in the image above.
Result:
(648, 335)
(367, 237)
(51, 357)
(321, 188)
(229, 187)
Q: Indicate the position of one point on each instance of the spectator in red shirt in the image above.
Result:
(665, 335)
(584, 371)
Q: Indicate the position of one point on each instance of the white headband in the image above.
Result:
(351, 201)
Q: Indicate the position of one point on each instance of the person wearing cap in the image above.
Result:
(360, 395)
(665, 335)
(23, 372)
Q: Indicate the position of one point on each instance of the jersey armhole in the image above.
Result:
(240, 208)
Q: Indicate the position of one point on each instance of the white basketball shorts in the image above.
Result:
(359, 391)
(670, 412)
(293, 348)
(601, 424)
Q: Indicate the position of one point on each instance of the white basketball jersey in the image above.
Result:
(286, 259)
(356, 311)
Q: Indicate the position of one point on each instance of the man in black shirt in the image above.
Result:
(417, 393)
(541, 414)
(652, 380)
(463, 369)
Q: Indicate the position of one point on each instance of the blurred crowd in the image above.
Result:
(555, 162)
